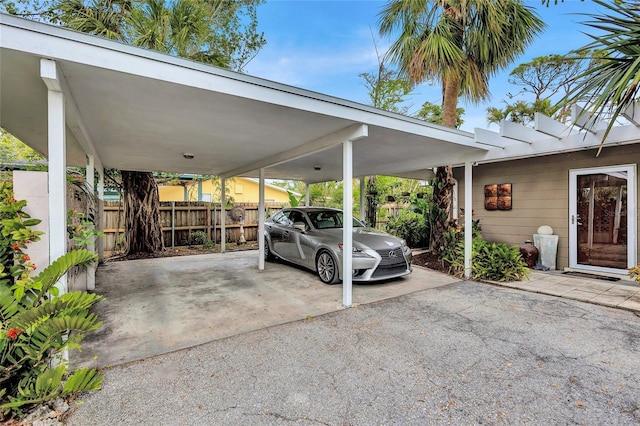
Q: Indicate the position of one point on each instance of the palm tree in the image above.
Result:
(104, 18)
(461, 44)
(610, 85)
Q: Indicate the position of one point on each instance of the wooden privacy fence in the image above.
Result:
(180, 220)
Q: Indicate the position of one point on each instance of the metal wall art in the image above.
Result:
(497, 196)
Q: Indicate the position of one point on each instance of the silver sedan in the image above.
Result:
(312, 237)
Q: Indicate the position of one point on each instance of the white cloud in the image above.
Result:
(305, 66)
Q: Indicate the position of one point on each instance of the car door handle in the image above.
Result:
(285, 233)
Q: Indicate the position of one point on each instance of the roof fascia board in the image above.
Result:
(66, 45)
(351, 133)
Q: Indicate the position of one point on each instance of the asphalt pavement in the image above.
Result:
(464, 353)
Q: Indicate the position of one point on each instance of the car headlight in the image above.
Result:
(358, 252)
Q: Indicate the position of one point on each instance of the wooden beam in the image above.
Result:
(549, 126)
(487, 137)
(518, 132)
(632, 113)
(584, 119)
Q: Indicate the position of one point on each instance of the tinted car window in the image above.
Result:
(330, 219)
(280, 218)
(296, 216)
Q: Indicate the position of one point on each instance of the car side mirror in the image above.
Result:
(300, 225)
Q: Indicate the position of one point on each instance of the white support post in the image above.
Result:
(307, 196)
(56, 133)
(362, 199)
(223, 215)
(261, 218)
(468, 217)
(347, 226)
(91, 245)
(100, 211)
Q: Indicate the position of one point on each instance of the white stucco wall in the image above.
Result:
(32, 186)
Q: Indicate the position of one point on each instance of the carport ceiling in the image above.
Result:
(136, 109)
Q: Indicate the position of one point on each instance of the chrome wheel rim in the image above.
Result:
(326, 267)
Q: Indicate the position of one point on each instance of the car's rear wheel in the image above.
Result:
(327, 268)
(268, 254)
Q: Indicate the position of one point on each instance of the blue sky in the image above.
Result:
(323, 45)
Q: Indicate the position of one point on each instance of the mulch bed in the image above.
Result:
(429, 260)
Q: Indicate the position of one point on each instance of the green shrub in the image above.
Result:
(411, 227)
(453, 238)
(37, 325)
(490, 261)
(201, 238)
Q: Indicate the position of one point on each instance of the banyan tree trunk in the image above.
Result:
(371, 208)
(442, 196)
(143, 229)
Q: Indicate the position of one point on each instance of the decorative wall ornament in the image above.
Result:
(497, 196)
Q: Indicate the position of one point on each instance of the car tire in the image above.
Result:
(327, 268)
(268, 254)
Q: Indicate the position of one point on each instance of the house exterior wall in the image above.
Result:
(242, 190)
(540, 194)
(171, 193)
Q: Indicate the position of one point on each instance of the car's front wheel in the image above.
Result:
(268, 254)
(327, 268)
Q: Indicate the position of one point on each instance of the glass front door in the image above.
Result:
(601, 229)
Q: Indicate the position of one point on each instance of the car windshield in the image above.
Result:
(329, 219)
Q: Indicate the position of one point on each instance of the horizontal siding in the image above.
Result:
(540, 194)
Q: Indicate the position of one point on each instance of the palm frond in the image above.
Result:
(611, 85)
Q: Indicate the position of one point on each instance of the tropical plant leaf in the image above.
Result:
(52, 273)
(82, 380)
(70, 304)
(9, 306)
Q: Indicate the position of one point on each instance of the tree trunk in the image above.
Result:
(444, 182)
(143, 229)
(450, 101)
(371, 213)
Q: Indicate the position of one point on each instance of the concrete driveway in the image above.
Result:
(460, 354)
(156, 306)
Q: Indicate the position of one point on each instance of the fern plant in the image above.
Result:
(490, 261)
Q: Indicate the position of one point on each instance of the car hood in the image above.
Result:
(372, 238)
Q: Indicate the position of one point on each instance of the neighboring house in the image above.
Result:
(556, 180)
(241, 190)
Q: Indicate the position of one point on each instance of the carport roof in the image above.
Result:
(136, 109)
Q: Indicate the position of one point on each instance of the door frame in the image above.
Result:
(632, 219)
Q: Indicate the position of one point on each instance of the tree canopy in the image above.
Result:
(218, 32)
